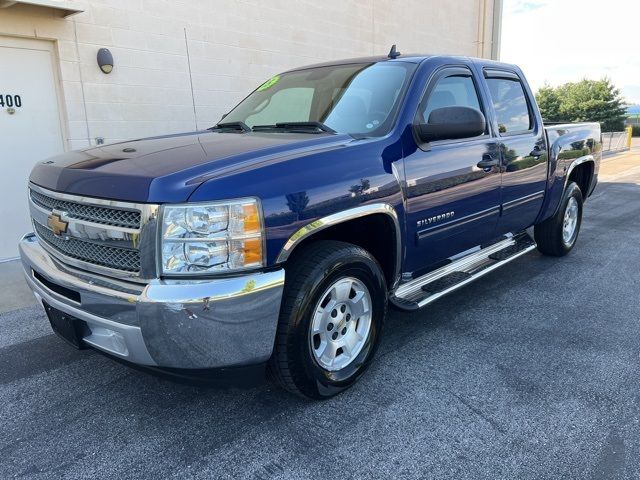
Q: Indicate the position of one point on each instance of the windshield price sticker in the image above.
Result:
(269, 83)
(7, 100)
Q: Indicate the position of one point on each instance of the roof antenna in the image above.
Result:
(393, 53)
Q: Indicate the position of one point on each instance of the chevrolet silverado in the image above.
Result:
(275, 240)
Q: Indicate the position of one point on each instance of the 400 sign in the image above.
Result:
(10, 101)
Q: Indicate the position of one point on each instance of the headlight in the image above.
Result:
(211, 237)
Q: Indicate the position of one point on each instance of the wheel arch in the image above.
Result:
(356, 226)
(582, 173)
(577, 167)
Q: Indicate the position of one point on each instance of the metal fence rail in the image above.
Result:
(614, 141)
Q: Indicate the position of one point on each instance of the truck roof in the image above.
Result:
(406, 58)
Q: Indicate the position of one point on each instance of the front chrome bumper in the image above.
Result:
(183, 324)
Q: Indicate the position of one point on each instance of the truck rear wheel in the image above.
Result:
(333, 310)
(557, 235)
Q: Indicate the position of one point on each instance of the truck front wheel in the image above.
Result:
(333, 310)
(557, 235)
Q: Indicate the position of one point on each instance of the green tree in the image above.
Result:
(549, 103)
(584, 101)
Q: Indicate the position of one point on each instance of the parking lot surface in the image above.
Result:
(531, 372)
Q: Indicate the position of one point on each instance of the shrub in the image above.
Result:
(584, 101)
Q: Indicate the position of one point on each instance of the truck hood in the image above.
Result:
(168, 169)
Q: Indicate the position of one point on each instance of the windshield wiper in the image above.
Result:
(315, 127)
(235, 126)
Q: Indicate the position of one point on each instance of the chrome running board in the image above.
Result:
(428, 288)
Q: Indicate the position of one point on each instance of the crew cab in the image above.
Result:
(275, 240)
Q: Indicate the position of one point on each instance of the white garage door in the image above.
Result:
(29, 129)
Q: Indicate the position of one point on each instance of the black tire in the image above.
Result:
(549, 234)
(309, 273)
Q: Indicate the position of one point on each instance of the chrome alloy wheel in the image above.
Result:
(570, 222)
(341, 323)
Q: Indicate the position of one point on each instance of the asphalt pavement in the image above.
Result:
(531, 372)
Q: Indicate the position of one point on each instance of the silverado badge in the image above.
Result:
(436, 218)
(57, 225)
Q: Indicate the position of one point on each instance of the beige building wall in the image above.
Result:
(229, 46)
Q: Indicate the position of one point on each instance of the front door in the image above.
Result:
(29, 129)
(453, 191)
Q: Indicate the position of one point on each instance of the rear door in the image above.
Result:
(452, 203)
(523, 149)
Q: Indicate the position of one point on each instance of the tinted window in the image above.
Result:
(360, 99)
(453, 91)
(294, 104)
(510, 104)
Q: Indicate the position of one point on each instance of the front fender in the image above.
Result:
(300, 191)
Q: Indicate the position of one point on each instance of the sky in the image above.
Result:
(559, 41)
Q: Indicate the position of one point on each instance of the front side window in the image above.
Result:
(510, 104)
(451, 91)
(358, 99)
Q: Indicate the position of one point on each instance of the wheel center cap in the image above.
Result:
(342, 317)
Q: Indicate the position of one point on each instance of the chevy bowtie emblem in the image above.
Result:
(57, 225)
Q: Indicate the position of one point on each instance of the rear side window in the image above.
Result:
(510, 103)
(452, 91)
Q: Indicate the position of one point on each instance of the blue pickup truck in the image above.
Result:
(275, 241)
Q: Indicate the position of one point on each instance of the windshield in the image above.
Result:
(358, 99)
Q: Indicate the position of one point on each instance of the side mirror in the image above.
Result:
(450, 123)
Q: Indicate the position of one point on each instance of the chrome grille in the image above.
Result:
(108, 237)
(124, 259)
(91, 213)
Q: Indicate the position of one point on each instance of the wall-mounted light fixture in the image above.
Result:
(105, 60)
